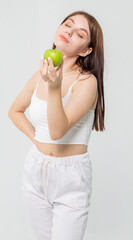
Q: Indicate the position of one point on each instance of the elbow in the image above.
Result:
(55, 136)
(62, 133)
(9, 114)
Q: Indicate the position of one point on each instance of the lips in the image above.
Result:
(64, 38)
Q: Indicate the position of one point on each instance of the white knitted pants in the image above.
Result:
(56, 192)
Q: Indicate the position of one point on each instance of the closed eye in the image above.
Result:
(67, 25)
(78, 34)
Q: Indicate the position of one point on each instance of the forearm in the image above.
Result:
(57, 119)
(23, 124)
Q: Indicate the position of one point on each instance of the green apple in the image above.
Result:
(55, 55)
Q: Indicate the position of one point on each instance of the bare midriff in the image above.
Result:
(60, 150)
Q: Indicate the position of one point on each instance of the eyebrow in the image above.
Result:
(80, 28)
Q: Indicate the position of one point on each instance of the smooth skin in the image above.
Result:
(83, 98)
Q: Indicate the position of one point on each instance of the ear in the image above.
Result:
(85, 52)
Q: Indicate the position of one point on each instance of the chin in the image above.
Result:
(61, 48)
(59, 44)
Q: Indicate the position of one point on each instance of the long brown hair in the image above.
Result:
(94, 64)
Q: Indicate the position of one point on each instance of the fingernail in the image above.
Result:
(49, 59)
(45, 61)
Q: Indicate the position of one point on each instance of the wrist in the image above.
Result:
(54, 89)
(53, 86)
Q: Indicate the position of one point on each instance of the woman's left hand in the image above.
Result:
(51, 74)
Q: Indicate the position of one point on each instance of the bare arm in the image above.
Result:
(61, 120)
(23, 124)
(19, 106)
(57, 119)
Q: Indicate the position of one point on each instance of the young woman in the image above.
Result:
(65, 104)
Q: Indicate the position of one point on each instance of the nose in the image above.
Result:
(69, 32)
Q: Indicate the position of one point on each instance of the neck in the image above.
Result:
(69, 62)
(69, 65)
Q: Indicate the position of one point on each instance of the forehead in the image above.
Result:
(80, 21)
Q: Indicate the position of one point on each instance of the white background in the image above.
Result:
(27, 29)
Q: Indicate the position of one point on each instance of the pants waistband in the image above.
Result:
(54, 161)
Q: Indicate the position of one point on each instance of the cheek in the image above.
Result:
(77, 44)
(60, 29)
(56, 35)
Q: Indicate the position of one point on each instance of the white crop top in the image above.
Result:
(78, 134)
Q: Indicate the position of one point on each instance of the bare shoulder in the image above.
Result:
(31, 83)
(88, 81)
(34, 80)
(87, 77)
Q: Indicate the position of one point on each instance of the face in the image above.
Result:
(76, 30)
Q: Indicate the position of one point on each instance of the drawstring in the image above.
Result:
(45, 174)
